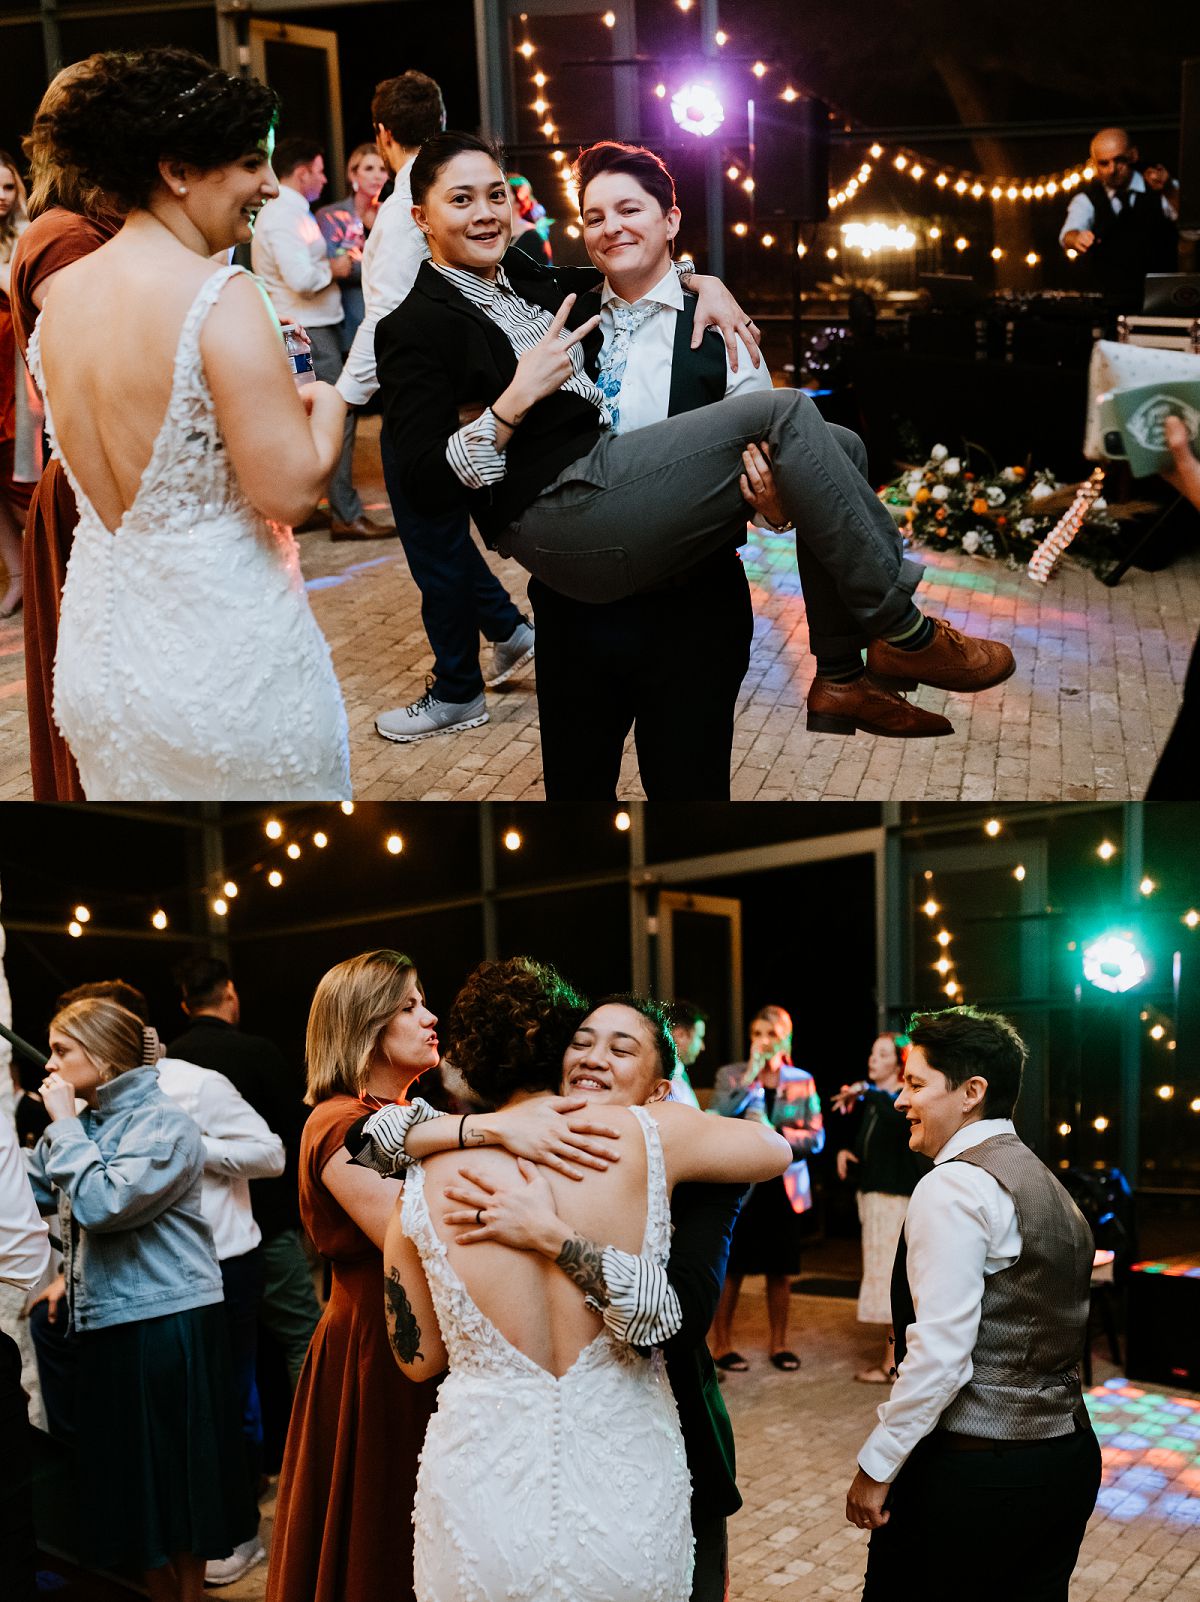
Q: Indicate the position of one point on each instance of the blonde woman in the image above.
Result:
(349, 1475)
(346, 225)
(14, 496)
(160, 1458)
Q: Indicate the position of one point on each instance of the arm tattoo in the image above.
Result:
(583, 1261)
(403, 1329)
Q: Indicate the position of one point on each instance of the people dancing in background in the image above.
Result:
(544, 1409)
(769, 1089)
(885, 1170)
(15, 486)
(531, 225)
(189, 663)
(342, 1520)
(162, 1473)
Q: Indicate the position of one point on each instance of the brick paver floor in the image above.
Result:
(797, 1435)
(1095, 692)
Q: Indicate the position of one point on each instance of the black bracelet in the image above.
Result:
(462, 1124)
(503, 420)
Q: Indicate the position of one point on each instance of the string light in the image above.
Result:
(622, 822)
(1064, 1129)
(293, 851)
(273, 829)
(1157, 1032)
(274, 878)
(759, 69)
(609, 19)
(767, 241)
(1019, 872)
(721, 37)
(1147, 886)
(1100, 1124)
(1106, 851)
(1194, 1104)
(978, 185)
(220, 906)
(347, 807)
(992, 827)
(660, 89)
(740, 229)
(931, 908)
(790, 94)
(320, 839)
(951, 988)
(74, 929)
(512, 840)
(1191, 917)
(83, 914)
(961, 244)
(1165, 1092)
(229, 889)
(1032, 259)
(394, 844)
(159, 919)
(943, 937)
(733, 172)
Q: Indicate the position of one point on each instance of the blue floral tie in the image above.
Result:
(626, 322)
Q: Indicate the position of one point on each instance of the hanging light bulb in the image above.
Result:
(1019, 872)
(293, 851)
(1106, 851)
(273, 829)
(274, 878)
(74, 929)
(394, 844)
(512, 840)
(320, 839)
(992, 827)
(943, 937)
(347, 807)
(622, 821)
(159, 919)
(931, 908)
(229, 889)
(1147, 886)
(759, 69)
(220, 906)
(83, 914)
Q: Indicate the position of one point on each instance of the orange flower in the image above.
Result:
(1017, 472)
(940, 513)
(979, 506)
(1002, 522)
(969, 477)
(922, 495)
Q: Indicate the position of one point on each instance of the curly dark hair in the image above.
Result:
(509, 1026)
(136, 108)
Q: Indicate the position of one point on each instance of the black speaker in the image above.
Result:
(1162, 1339)
(791, 160)
(1189, 148)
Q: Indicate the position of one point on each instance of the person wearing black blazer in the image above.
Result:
(592, 513)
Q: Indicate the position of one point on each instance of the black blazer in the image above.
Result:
(703, 1216)
(437, 352)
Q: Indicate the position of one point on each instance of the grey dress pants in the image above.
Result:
(640, 508)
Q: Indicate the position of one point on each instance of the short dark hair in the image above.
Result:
(682, 1014)
(132, 109)
(409, 107)
(962, 1041)
(293, 152)
(201, 980)
(439, 151)
(656, 1016)
(509, 1026)
(118, 990)
(609, 155)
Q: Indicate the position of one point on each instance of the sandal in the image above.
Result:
(873, 1376)
(787, 1361)
(733, 1363)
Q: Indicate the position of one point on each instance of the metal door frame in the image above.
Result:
(263, 29)
(728, 907)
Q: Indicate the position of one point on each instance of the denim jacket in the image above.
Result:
(126, 1180)
(796, 1115)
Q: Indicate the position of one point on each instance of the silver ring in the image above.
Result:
(479, 1217)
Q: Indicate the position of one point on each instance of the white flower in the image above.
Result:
(1099, 504)
(995, 495)
(939, 492)
(952, 467)
(1040, 491)
(913, 483)
(939, 453)
(1026, 526)
(1011, 476)
(971, 541)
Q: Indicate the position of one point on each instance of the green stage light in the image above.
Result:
(1113, 963)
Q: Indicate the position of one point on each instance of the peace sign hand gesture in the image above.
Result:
(547, 366)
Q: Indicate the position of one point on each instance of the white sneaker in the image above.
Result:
(509, 655)
(224, 1571)
(429, 716)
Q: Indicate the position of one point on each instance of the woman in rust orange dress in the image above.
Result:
(343, 1521)
(14, 495)
(69, 221)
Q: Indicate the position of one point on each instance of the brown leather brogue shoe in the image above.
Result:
(863, 704)
(361, 529)
(951, 661)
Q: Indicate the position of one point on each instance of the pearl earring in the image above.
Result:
(182, 190)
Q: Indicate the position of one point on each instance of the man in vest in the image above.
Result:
(1123, 221)
(669, 663)
(983, 1469)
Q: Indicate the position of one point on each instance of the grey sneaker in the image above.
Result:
(224, 1571)
(429, 716)
(509, 655)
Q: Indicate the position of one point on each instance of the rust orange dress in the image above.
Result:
(52, 241)
(343, 1520)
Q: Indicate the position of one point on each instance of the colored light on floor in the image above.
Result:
(1150, 1444)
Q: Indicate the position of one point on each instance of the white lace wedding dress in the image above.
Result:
(537, 1489)
(189, 665)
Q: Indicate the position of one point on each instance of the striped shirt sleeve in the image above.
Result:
(472, 453)
(386, 1132)
(643, 1308)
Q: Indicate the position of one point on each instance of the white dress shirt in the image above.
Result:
(395, 250)
(238, 1147)
(646, 385)
(1081, 213)
(289, 254)
(961, 1226)
(24, 1237)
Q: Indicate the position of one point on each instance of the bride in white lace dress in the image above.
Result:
(189, 664)
(554, 1465)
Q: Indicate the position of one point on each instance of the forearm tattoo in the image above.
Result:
(403, 1330)
(583, 1261)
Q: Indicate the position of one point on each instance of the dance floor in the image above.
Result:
(797, 1435)
(1096, 689)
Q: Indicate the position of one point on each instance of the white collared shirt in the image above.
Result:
(395, 250)
(646, 385)
(1081, 213)
(289, 254)
(961, 1226)
(24, 1237)
(238, 1147)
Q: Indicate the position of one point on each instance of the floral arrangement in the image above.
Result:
(1002, 514)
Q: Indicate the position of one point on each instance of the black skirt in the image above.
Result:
(768, 1234)
(162, 1465)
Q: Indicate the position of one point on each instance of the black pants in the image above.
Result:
(667, 663)
(710, 1578)
(242, 1278)
(991, 1526)
(18, 1552)
(1175, 776)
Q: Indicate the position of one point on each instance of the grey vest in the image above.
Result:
(1025, 1379)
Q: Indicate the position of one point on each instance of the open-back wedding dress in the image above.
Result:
(534, 1488)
